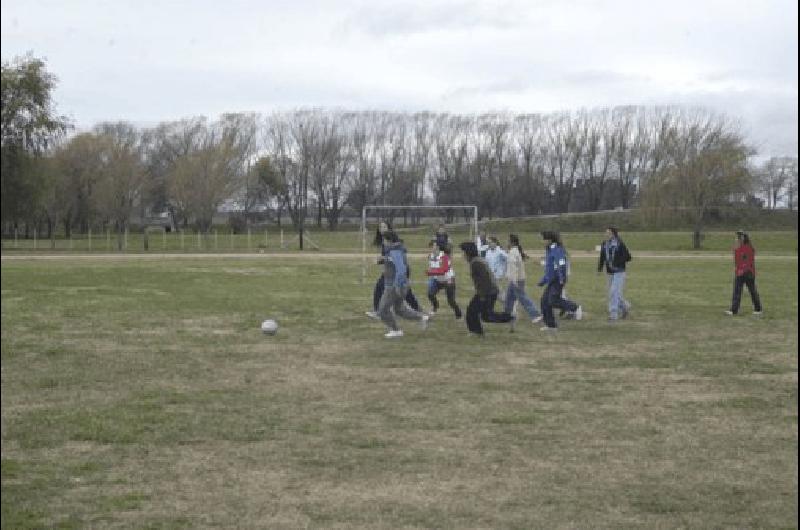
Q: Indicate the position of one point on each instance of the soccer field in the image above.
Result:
(141, 393)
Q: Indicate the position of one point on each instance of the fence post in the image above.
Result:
(34, 239)
(248, 239)
(70, 240)
(15, 237)
(108, 239)
(231, 238)
(215, 239)
(198, 240)
(164, 240)
(181, 240)
(266, 242)
(281, 237)
(90, 239)
(125, 241)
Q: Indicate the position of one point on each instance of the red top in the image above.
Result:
(744, 256)
(444, 266)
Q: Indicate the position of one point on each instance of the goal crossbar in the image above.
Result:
(364, 210)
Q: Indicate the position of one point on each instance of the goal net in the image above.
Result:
(416, 225)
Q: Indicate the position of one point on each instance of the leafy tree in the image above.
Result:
(29, 127)
(706, 166)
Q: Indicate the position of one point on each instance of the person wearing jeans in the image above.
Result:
(381, 234)
(515, 273)
(393, 300)
(744, 258)
(497, 260)
(554, 280)
(614, 256)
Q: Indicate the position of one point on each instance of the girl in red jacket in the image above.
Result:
(441, 276)
(744, 258)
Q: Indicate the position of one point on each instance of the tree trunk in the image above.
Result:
(697, 238)
(120, 229)
(145, 241)
(51, 233)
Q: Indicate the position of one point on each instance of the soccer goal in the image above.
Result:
(452, 215)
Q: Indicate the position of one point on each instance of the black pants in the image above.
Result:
(450, 290)
(483, 309)
(551, 298)
(378, 292)
(738, 283)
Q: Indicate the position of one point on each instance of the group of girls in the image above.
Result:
(498, 274)
(491, 268)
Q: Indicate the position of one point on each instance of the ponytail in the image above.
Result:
(513, 239)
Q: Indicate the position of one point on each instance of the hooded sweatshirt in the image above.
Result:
(482, 278)
(395, 266)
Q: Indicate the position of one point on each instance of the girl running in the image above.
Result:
(481, 307)
(393, 299)
(381, 234)
(440, 272)
(554, 280)
(515, 273)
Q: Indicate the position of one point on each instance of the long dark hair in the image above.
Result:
(744, 237)
(513, 240)
(378, 241)
(470, 249)
(552, 235)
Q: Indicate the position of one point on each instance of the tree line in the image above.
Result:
(313, 165)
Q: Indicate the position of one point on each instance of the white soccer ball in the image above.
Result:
(269, 327)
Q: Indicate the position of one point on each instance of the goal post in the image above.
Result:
(473, 225)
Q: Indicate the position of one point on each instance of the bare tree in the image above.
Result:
(203, 179)
(597, 155)
(775, 177)
(165, 146)
(122, 175)
(363, 186)
(705, 166)
(528, 135)
(566, 141)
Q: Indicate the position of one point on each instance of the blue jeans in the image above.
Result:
(617, 305)
(516, 292)
(551, 298)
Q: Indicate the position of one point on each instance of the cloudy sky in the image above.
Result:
(148, 61)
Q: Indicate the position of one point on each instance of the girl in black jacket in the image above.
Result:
(614, 256)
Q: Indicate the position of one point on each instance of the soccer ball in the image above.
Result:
(269, 327)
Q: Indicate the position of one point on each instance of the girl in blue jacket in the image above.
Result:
(381, 235)
(554, 280)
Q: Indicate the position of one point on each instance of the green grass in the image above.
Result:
(142, 394)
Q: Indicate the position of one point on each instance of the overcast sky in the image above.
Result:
(152, 61)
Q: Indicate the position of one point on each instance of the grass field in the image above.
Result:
(141, 394)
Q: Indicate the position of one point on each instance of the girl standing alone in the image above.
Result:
(744, 258)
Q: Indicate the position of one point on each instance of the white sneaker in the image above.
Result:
(394, 334)
(579, 313)
(424, 322)
(537, 319)
(758, 313)
(547, 328)
(373, 314)
(729, 312)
